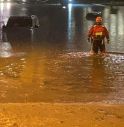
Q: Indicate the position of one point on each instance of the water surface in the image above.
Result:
(52, 64)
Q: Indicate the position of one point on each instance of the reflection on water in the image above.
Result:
(70, 23)
(5, 11)
(5, 49)
(52, 64)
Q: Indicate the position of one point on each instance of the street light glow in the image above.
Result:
(23, 0)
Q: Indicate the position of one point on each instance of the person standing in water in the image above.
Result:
(97, 34)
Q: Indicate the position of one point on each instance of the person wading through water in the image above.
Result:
(96, 35)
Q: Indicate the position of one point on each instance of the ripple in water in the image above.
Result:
(13, 69)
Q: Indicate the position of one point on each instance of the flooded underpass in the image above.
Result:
(52, 63)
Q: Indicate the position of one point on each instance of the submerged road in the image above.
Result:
(51, 64)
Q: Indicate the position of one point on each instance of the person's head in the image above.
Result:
(99, 20)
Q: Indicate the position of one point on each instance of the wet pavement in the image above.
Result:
(52, 64)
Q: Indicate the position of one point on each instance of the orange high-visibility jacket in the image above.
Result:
(98, 30)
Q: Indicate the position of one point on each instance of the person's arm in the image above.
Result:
(90, 33)
(107, 35)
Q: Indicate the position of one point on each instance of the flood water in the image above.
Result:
(51, 63)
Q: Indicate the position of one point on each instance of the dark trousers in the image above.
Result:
(98, 45)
